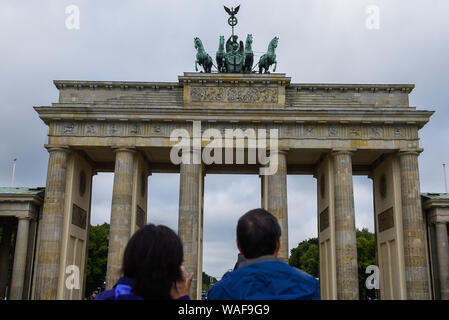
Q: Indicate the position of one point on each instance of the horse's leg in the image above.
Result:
(196, 65)
(275, 65)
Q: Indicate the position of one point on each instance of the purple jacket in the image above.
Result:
(123, 291)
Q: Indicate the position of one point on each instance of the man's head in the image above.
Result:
(258, 234)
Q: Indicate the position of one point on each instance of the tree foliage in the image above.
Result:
(97, 257)
(366, 255)
(208, 281)
(306, 257)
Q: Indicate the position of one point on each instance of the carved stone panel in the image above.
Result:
(114, 129)
(310, 131)
(386, 220)
(375, 132)
(234, 94)
(91, 129)
(69, 128)
(333, 131)
(140, 217)
(79, 217)
(324, 219)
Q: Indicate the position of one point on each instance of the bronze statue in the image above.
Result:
(202, 58)
(234, 56)
(269, 58)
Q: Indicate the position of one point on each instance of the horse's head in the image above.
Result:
(274, 42)
(197, 42)
(249, 39)
(221, 42)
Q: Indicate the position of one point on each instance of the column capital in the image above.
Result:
(116, 149)
(337, 151)
(415, 151)
(283, 151)
(24, 217)
(53, 147)
(438, 221)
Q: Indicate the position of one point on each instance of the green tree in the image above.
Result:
(306, 257)
(207, 281)
(366, 255)
(97, 257)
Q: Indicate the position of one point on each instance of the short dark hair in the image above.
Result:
(258, 232)
(153, 257)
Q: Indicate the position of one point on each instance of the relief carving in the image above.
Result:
(234, 94)
(133, 128)
(398, 132)
(91, 129)
(156, 128)
(113, 129)
(374, 132)
(309, 130)
(355, 131)
(69, 128)
(332, 131)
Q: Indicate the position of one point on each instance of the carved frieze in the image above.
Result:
(234, 94)
(286, 130)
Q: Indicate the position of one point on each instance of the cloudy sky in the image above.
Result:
(326, 41)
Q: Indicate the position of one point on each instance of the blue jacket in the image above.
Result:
(265, 279)
(122, 291)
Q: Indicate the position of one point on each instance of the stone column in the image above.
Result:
(48, 260)
(443, 258)
(20, 257)
(276, 201)
(415, 256)
(121, 213)
(5, 249)
(345, 239)
(190, 222)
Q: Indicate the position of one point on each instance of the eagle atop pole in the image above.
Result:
(232, 21)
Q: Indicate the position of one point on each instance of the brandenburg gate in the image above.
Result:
(330, 131)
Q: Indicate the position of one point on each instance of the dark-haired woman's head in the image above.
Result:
(153, 257)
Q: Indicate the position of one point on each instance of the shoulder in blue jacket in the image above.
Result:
(266, 279)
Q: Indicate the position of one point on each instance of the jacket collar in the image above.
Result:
(249, 262)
